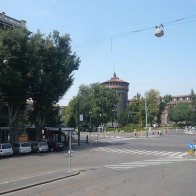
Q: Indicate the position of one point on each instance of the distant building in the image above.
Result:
(7, 21)
(178, 99)
(121, 88)
(175, 100)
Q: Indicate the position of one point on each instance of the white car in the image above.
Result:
(22, 148)
(6, 149)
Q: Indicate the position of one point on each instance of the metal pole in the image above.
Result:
(90, 139)
(97, 133)
(70, 151)
(146, 112)
(78, 123)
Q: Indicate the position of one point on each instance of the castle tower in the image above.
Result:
(121, 88)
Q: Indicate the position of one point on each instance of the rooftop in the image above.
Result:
(115, 79)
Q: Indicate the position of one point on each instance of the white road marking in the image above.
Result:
(141, 152)
(145, 163)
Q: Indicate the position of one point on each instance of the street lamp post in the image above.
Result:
(193, 118)
(90, 113)
(146, 115)
(114, 113)
(129, 115)
(78, 111)
(90, 126)
(70, 135)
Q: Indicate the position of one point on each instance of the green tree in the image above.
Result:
(15, 66)
(95, 102)
(37, 67)
(180, 113)
(52, 73)
(193, 104)
(134, 113)
(153, 100)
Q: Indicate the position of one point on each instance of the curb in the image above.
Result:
(69, 174)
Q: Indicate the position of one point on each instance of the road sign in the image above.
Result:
(191, 146)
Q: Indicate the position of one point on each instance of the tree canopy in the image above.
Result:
(15, 66)
(153, 101)
(35, 66)
(180, 113)
(95, 102)
(52, 73)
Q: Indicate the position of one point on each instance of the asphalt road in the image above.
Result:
(118, 164)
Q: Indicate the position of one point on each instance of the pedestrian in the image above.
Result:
(194, 147)
(87, 139)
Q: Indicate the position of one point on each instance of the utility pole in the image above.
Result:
(78, 110)
(146, 112)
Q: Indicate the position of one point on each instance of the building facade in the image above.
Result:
(175, 100)
(121, 88)
(7, 21)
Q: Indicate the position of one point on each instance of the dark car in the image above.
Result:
(39, 147)
(56, 146)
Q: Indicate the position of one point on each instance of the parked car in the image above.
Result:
(56, 146)
(6, 149)
(39, 147)
(21, 148)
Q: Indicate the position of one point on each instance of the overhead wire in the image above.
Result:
(124, 34)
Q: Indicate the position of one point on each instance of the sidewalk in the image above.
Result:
(28, 182)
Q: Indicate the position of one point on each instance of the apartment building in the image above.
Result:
(7, 21)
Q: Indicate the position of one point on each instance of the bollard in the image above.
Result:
(192, 149)
(191, 152)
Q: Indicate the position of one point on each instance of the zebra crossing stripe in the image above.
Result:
(143, 152)
(182, 154)
(167, 153)
(105, 150)
(145, 163)
(114, 139)
(175, 154)
(135, 151)
(154, 152)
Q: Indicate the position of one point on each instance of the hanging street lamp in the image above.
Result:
(159, 31)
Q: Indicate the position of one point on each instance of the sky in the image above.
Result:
(118, 36)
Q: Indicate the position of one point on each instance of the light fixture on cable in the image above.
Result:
(159, 31)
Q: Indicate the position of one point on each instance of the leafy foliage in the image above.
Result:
(95, 102)
(14, 81)
(180, 113)
(51, 75)
(153, 101)
(37, 67)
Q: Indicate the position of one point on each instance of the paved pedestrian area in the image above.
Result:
(23, 183)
